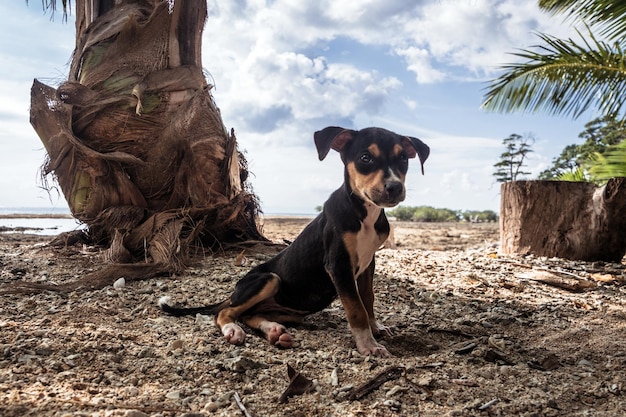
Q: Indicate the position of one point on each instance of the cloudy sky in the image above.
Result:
(283, 69)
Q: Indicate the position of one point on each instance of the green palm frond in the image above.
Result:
(611, 164)
(562, 77)
(608, 16)
(578, 175)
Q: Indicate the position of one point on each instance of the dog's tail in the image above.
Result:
(164, 305)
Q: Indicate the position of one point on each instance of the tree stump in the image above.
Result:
(572, 220)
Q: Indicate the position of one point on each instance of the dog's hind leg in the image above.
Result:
(274, 332)
(251, 290)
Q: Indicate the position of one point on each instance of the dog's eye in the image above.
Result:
(366, 158)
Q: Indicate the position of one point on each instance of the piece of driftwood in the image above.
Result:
(384, 376)
(572, 220)
(561, 280)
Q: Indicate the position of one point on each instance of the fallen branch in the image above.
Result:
(386, 375)
(93, 281)
(574, 283)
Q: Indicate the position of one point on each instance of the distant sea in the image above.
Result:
(37, 220)
(53, 220)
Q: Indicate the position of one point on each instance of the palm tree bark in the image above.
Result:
(135, 140)
(572, 220)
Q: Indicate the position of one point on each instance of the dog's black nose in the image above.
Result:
(394, 189)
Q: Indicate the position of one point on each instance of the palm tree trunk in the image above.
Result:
(572, 220)
(134, 137)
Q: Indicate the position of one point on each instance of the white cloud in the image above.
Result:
(419, 61)
(472, 35)
(266, 50)
(268, 88)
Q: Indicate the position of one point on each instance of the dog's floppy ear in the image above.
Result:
(332, 137)
(415, 147)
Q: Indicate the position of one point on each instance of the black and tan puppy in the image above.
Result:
(334, 254)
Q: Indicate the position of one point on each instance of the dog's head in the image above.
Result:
(376, 160)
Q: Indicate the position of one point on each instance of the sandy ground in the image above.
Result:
(475, 334)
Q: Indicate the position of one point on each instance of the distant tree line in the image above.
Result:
(430, 214)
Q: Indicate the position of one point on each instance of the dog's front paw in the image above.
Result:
(367, 345)
(374, 349)
(233, 334)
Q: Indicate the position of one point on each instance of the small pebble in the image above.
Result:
(119, 284)
(173, 395)
(135, 413)
(203, 319)
(394, 390)
(44, 349)
(425, 381)
(334, 378)
(242, 364)
(392, 404)
(212, 407)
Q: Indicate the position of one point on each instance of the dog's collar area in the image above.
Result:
(373, 212)
(363, 204)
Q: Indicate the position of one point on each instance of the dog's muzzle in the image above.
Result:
(392, 193)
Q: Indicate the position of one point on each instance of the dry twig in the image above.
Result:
(488, 404)
(572, 282)
(386, 375)
(240, 405)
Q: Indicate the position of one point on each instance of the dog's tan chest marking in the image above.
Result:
(363, 244)
(367, 242)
